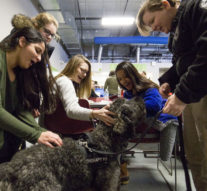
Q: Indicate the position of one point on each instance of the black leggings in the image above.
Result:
(11, 145)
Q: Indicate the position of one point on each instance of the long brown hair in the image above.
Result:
(34, 88)
(84, 89)
(140, 82)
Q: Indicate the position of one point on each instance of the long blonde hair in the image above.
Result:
(84, 89)
(151, 6)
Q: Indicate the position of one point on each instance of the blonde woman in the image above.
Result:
(74, 82)
(44, 22)
(47, 25)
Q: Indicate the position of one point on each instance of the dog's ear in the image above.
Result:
(119, 127)
(137, 98)
(139, 107)
(125, 120)
(131, 131)
(116, 104)
(131, 123)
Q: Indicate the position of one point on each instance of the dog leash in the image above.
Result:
(141, 137)
(182, 151)
(122, 152)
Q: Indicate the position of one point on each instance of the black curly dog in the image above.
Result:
(70, 168)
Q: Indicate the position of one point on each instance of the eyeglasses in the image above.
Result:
(84, 71)
(48, 33)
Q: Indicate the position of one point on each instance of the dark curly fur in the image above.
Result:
(66, 168)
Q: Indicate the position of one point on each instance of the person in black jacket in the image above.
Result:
(187, 78)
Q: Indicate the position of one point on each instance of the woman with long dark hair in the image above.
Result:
(136, 84)
(24, 87)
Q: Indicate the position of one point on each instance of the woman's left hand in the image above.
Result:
(174, 106)
(35, 113)
(50, 139)
(104, 115)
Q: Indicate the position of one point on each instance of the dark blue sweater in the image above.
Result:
(153, 102)
(164, 117)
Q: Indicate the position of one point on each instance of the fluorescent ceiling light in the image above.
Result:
(50, 4)
(117, 21)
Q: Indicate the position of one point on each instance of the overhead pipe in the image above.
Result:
(93, 53)
(131, 40)
(100, 53)
(138, 54)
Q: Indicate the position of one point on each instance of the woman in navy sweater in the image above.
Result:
(136, 84)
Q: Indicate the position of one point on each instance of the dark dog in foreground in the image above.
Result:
(73, 167)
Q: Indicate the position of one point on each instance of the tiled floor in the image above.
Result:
(144, 175)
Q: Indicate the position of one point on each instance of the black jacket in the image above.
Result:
(188, 44)
(50, 50)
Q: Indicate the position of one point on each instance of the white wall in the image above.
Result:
(153, 70)
(8, 8)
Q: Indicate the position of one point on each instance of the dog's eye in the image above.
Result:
(126, 112)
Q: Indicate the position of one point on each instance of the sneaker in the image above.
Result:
(124, 180)
(124, 176)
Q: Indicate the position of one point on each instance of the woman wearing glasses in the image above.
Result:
(44, 22)
(47, 25)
